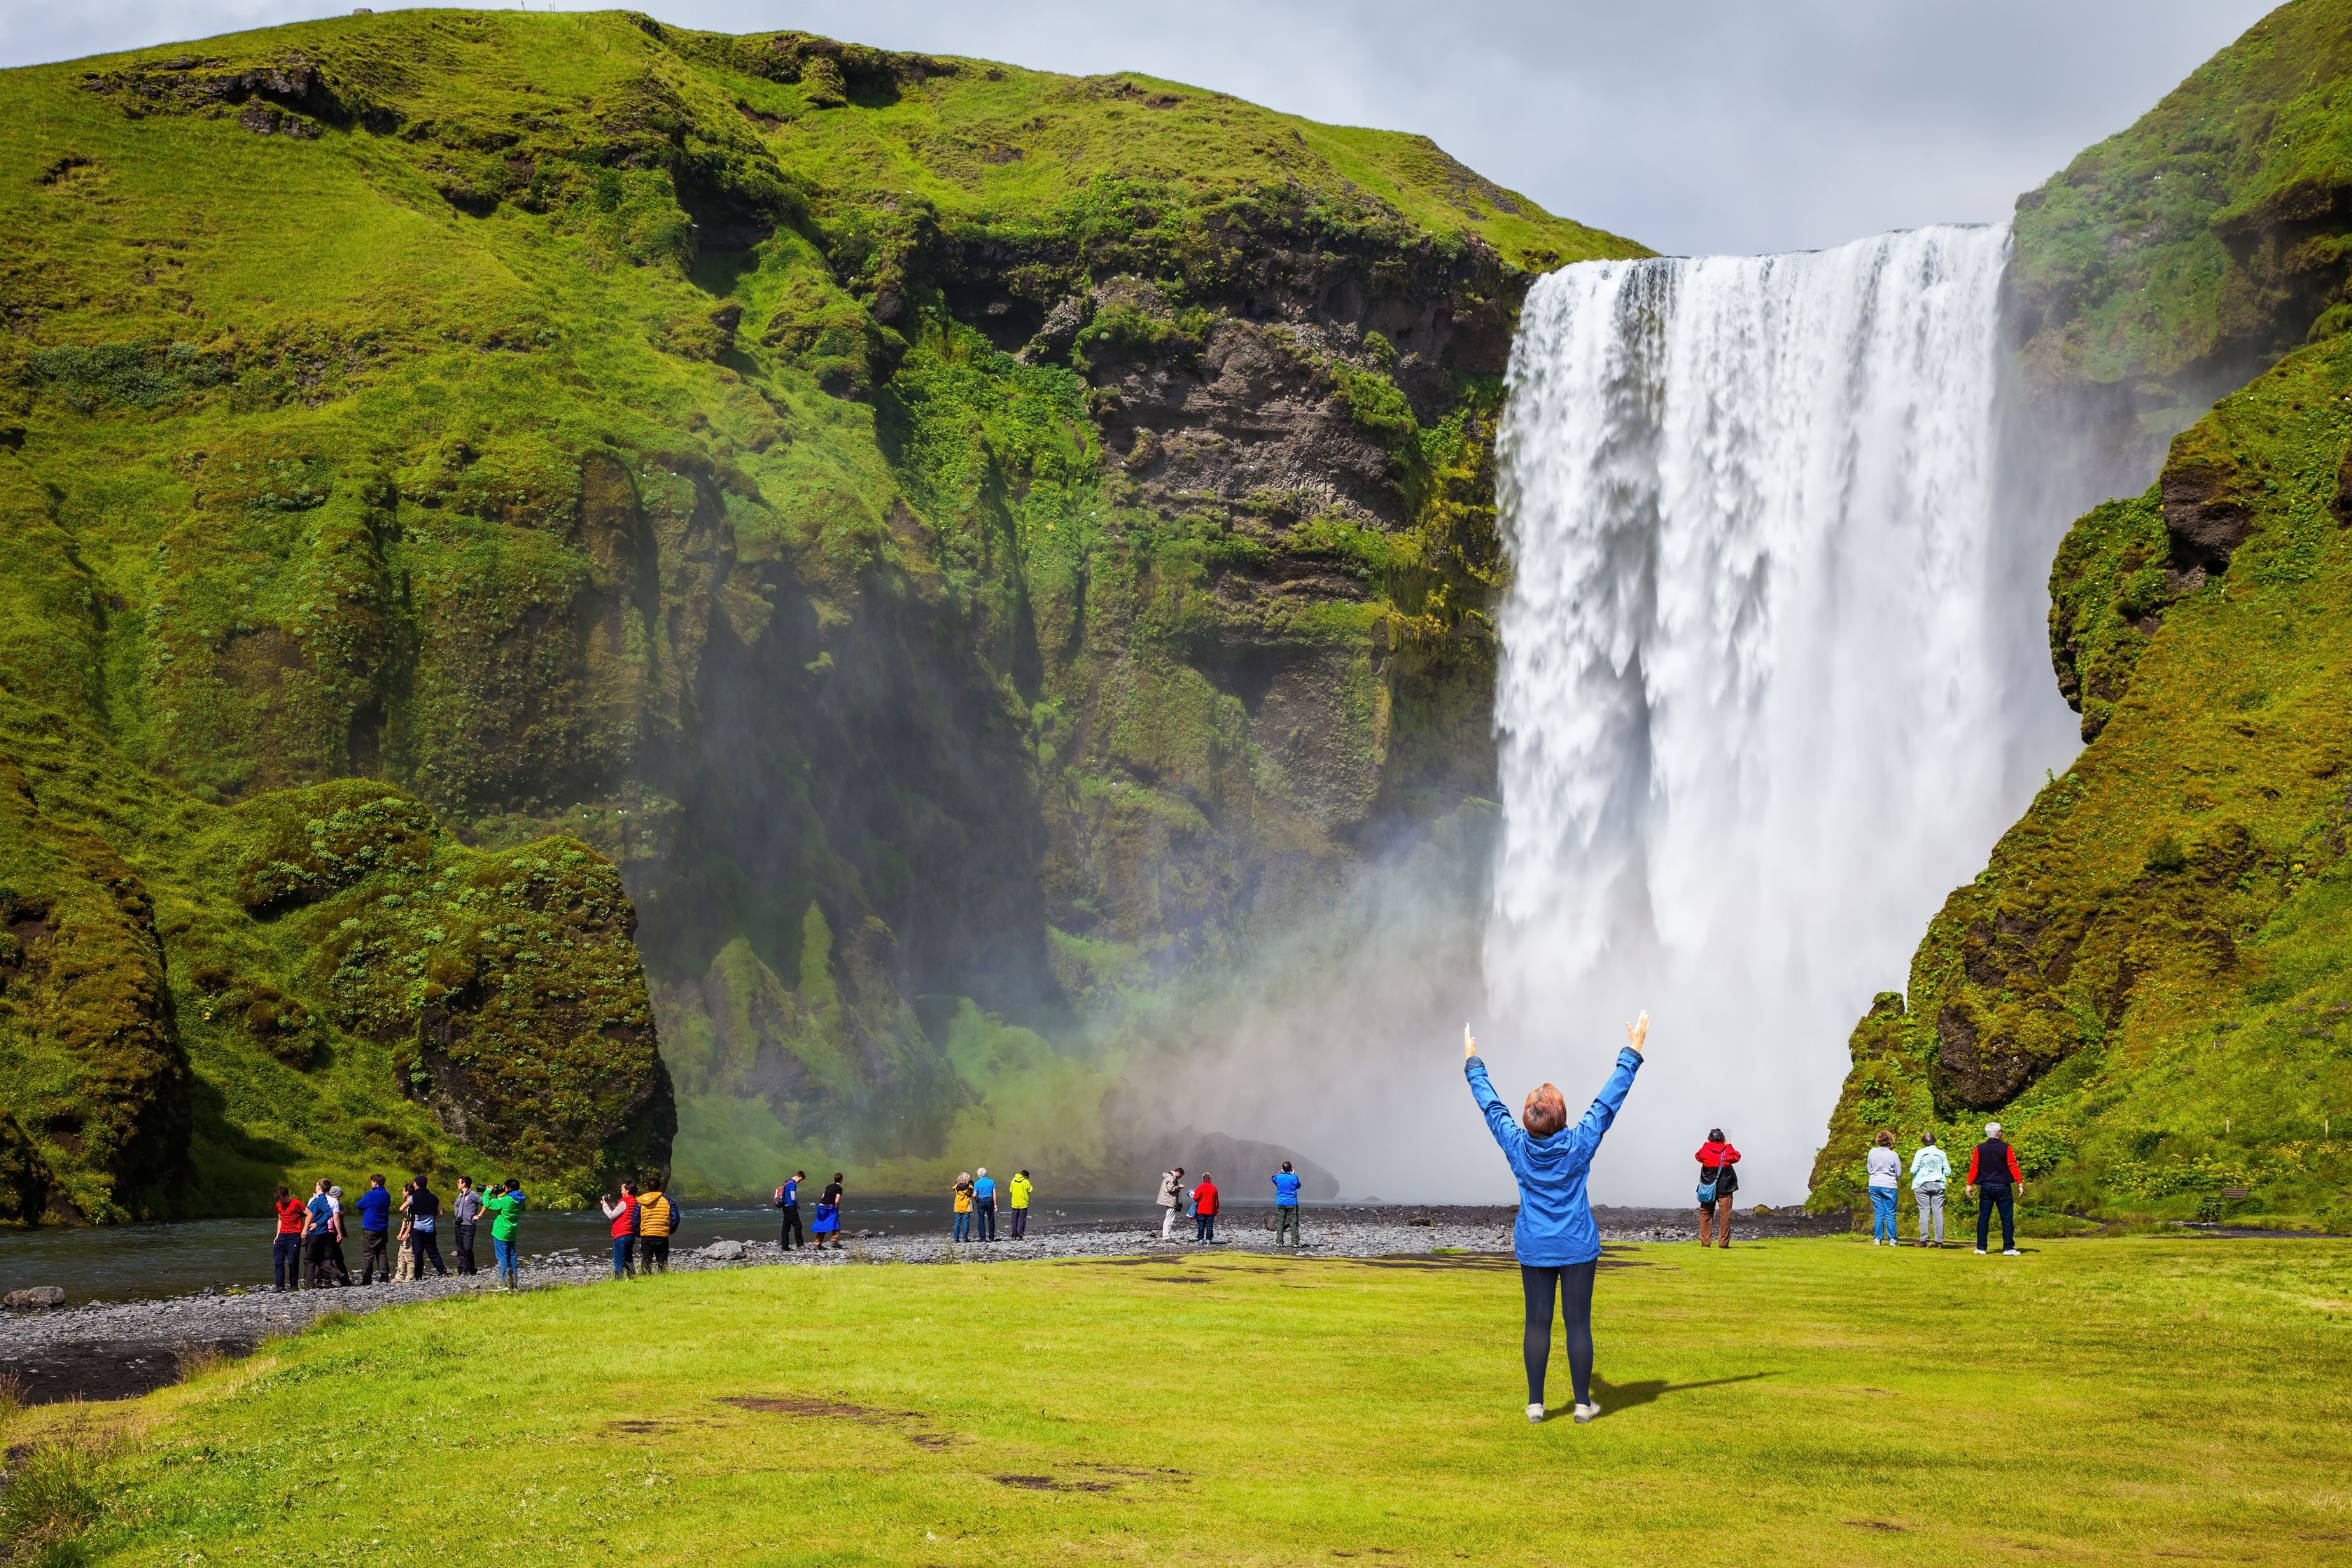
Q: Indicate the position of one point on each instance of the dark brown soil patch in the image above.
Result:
(123, 1369)
(1880, 1525)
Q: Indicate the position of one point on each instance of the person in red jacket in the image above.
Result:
(286, 1252)
(1204, 1209)
(1992, 1165)
(1717, 1168)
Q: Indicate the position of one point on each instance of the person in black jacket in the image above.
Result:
(1992, 1167)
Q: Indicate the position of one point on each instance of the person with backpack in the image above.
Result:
(375, 1220)
(335, 1237)
(467, 1207)
(1719, 1179)
(657, 1217)
(623, 1212)
(983, 1206)
(1204, 1209)
(960, 1197)
(1929, 1171)
(286, 1247)
(1884, 1167)
(788, 1199)
(828, 1215)
(1171, 1199)
(1994, 1181)
(1019, 1189)
(1554, 1239)
(505, 1209)
(318, 1236)
(1285, 1205)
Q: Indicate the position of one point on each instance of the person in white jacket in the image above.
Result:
(1885, 1182)
(1929, 1173)
(1171, 1199)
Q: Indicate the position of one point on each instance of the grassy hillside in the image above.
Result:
(2149, 983)
(939, 531)
(1250, 1411)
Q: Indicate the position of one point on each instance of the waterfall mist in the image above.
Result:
(1767, 692)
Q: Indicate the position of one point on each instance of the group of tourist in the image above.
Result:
(643, 1222)
(308, 1251)
(825, 1225)
(973, 1198)
(1203, 1202)
(1994, 1181)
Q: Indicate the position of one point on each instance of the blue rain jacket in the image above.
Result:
(1555, 1226)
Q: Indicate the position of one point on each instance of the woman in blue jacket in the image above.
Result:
(1558, 1244)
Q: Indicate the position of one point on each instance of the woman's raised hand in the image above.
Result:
(1469, 1043)
(1638, 1031)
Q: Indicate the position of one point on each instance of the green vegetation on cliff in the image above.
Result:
(962, 542)
(2151, 980)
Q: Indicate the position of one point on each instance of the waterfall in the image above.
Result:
(1752, 707)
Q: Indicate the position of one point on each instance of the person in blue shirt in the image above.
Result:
(788, 1198)
(983, 1205)
(1286, 1205)
(1558, 1244)
(318, 1236)
(375, 1220)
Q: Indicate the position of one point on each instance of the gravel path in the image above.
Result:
(120, 1350)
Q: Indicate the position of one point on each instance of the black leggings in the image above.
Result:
(1574, 1284)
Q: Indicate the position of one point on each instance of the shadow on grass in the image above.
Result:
(1616, 1396)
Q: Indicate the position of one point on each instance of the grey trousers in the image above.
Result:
(1931, 1212)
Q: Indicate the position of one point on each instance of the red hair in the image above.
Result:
(1545, 1112)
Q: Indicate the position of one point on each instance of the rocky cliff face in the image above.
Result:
(2145, 981)
(967, 547)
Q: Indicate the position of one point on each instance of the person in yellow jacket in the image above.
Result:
(656, 1223)
(963, 1207)
(1018, 1189)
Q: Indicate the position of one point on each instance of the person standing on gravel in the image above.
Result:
(960, 1197)
(1204, 1209)
(1886, 1170)
(1929, 1171)
(623, 1212)
(375, 1220)
(1719, 1178)
(983, 1206)
(1558, 1244)
(286, 1247)
(468, 1207)
(1171, 1199)
(318, 1234)
(335, 1235)
(505, 1207)
(1992, 1167)
(828, 1215)
(788, 1199)
(423, 1207)
(656, 1223)
(1019, 1190)
(1285, 1205)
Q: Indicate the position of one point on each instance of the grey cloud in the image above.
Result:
(1718, 125)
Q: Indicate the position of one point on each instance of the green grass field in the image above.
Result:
(1799, 1402)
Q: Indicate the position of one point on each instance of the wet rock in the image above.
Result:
(37, 1298)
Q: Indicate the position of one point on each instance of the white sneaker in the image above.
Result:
(1536, 1412)
(2011, 1252)
(1585, 1413)
(1980, 1252)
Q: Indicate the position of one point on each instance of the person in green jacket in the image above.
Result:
(1019, 1190)
(505, 1207)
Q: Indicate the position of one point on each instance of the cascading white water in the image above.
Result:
(1751, 706)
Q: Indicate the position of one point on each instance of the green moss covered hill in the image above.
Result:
(957, 545)
(2151, 980)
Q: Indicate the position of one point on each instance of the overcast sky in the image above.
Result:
(1702, 125)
